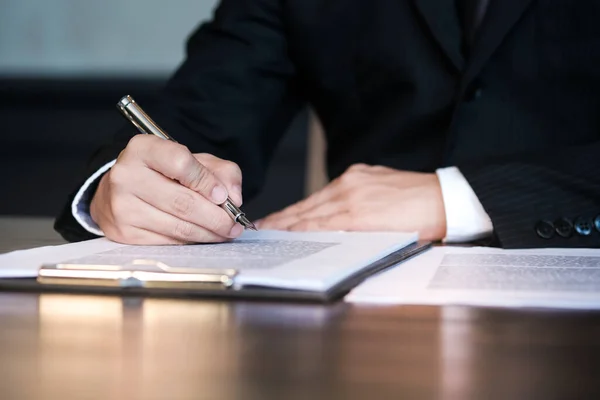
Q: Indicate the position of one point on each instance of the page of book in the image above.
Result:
(563, 278)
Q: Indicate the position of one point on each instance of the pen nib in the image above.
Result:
(247, 224)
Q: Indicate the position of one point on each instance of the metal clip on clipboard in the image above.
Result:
(149, 274)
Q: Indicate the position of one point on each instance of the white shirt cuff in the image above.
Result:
(80, 207)
(466, 220)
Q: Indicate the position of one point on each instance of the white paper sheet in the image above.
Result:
(291, 260)
(557, 278)
(25, 263)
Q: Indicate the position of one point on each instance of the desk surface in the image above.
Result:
(100, 347)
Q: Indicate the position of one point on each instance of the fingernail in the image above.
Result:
(219, 194)
(236, 231)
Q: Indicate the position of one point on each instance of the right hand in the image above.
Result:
(158, 192)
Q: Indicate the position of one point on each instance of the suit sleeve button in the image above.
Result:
(544, 229)
(583, 226)
(597, 223)
(564, 227)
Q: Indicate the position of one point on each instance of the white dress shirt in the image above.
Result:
(466, 220)
(80, 207)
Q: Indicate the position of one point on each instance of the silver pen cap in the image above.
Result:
(140, 119)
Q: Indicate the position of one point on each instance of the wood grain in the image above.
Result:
(101, 347)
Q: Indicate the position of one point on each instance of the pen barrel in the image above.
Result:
(140, 119)
(232, 210)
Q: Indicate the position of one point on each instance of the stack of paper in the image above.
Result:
(284, 260)
(558, 278)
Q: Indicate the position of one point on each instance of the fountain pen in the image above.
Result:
(134, 113)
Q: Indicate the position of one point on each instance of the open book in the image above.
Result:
(308, 262)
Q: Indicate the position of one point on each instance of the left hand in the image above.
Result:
(369, 198)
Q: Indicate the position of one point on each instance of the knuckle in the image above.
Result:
(136, 141)
(200, 178)
(379, 168)
(183, 204)
(357, 167)
(181, 160)
(232, 168)
(183, 230)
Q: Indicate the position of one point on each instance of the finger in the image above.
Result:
(151, 219)
(283, 222)
(183, 203)
(229, 173)
(176, 162)
(316, 199)
(324, 202)
(279, 220)
(342, 221)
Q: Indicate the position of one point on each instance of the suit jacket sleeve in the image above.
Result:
(233, 96)
(546, 199)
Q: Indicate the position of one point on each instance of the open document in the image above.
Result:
(283, 260)
(558, 278)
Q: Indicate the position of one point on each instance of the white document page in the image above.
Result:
(557, 278)
(25, 263)
(292, 260)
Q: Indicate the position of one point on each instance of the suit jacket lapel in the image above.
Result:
(500, 17)
(443, 23)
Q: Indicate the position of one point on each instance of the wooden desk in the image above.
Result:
(93, 347)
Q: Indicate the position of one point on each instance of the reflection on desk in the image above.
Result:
(95, 347)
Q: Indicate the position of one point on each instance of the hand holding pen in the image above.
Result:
(158, 192)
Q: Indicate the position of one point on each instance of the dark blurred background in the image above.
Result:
(63, 66)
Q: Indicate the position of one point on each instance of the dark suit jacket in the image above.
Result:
(520, 117)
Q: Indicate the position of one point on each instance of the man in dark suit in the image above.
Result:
(460, 119)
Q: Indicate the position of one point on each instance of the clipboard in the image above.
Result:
(150, 278)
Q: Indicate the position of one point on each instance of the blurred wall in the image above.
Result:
(96, 38)
(63, 66)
